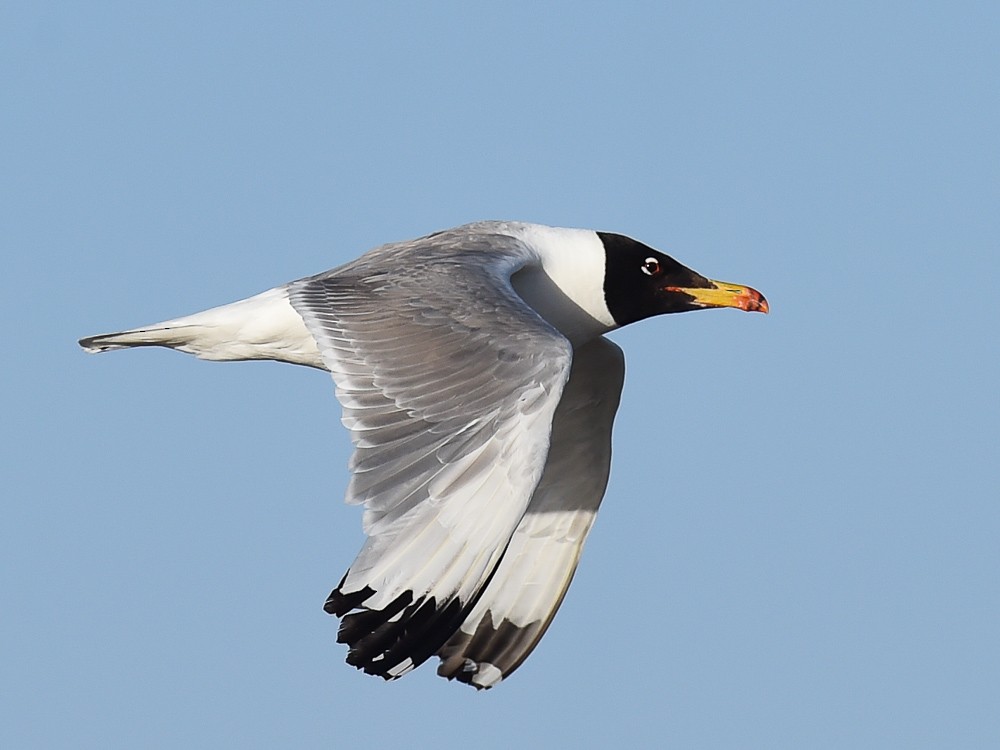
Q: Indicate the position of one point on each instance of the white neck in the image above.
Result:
(568, 289)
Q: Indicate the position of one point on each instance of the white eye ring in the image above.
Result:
(650, 266)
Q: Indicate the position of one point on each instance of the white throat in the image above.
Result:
(568, 289)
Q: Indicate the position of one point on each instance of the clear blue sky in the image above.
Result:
(799, 545)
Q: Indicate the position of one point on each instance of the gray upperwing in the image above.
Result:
(448, 382)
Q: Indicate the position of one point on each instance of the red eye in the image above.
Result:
(651, 266)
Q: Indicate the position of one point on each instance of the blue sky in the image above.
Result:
(798, 547)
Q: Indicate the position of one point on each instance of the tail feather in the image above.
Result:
(169, 336)
(261, 327)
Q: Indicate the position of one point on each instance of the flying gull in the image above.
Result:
(480, 392)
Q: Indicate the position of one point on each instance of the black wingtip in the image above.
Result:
(489, 655)
(339, 603)
(391, 641)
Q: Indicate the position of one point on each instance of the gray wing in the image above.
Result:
(521, 599)
(448, 382)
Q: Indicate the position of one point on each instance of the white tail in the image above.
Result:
(261, 327)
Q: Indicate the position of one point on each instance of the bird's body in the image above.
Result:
(480, 393)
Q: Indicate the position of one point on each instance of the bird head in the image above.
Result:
(641, 282)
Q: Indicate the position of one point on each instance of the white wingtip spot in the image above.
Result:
(402, 668)
(487, 676)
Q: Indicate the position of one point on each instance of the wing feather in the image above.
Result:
(449, 383)
(531, 580)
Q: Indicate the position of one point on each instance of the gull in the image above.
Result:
(479, 391)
